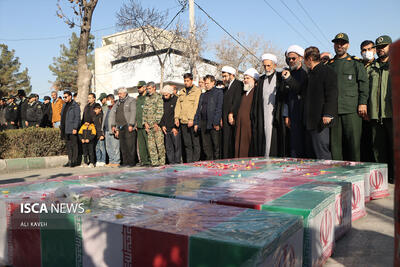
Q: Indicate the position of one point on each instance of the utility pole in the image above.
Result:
(192, 39)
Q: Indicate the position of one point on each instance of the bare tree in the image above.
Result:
(82, 17)
(229, 52)
(156, 33)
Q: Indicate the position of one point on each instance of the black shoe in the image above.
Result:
(68, 164)
(72, 165)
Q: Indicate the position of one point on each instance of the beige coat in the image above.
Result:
(186, 105)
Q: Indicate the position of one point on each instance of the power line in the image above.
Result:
(230, 35)
(287, 22)
(316, 25)
(298, 19)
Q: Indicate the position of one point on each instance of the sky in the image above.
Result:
(34, 31)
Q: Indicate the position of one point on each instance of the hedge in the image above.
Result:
(31, 142)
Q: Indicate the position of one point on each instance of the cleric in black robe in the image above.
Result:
(232, 96)
(278, 146)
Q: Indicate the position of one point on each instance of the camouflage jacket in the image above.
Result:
(153, 109)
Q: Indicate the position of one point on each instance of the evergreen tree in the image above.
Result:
(11, 79)
(65, 67)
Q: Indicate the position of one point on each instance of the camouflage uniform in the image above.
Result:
(153, 110)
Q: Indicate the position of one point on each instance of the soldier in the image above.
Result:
(380, 105)
(34, 112)
(352, 101)
(141, 132)
(47, 113)
(22, 103)
(12, 113)
(153, 111)
(367, 51)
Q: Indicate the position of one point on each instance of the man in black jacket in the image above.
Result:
(34, 112)
(232, 97)
(11, 113)
(47, 113)
(167, 123)
(208, 118)
(320, 103)
(88, 112)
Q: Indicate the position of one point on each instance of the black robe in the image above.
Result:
(279, 140)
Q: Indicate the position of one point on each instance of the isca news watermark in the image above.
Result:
(53, 208)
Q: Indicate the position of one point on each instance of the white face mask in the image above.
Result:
(108, 102)
(368, 55)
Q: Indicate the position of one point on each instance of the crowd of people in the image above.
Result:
(320, 106)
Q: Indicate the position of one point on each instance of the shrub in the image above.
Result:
(31, 142)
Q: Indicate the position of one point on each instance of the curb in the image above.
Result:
(26, 164)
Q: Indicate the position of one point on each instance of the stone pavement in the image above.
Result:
(370, 242)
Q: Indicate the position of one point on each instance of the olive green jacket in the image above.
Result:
(352, 83)
(380, 99)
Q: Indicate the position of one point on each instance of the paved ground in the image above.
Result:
(369, 243)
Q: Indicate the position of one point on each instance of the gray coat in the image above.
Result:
(109, 120)
(129, 111)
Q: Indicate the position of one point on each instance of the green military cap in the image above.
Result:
(102, 96)
(32, 96)
(383, 40)
(141, 83)
(341, 36)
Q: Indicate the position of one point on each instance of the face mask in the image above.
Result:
(108, 102)
(368, 55)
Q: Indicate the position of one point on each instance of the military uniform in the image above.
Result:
(141, 132)
(153, 110)
(34, 113)
(380, 109)
(12, 115)
(352, 92)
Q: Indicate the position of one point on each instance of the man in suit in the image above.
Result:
(320, 104)
(232, 97)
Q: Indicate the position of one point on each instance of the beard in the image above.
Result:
(340, 52)
(247, 87)
(295, 66)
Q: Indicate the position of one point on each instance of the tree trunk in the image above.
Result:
(84, 74)
(162, 76)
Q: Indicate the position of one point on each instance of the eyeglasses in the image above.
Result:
(65, 97)
(292, 58)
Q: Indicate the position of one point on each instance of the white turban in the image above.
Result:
(252, 72)
(295, 49)
(271, 57)
(167, 89)
(229, 69)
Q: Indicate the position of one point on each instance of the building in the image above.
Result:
(127, 57)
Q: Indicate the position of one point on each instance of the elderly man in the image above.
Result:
(56, 107)
(352, 101)
(112, 143)
(294, 83)
(320, 101)
(232, 97)
(185, 111)
(208, 118)
(269, 131)
(244, 121)
(70, 122)
(380, 105)
(123, 120)
(171, 132)
(153, 111)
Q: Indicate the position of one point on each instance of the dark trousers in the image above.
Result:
(127, 141)
(346, 137)
(297, 139)
(31, 124)
(367, 155)
(88, 152)
(382, 143)
(173, 147)
(211, 141)
(228, 141)
(72, 147)
(318, 144)
(11, 126)
(191, 142)
(143, 147)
